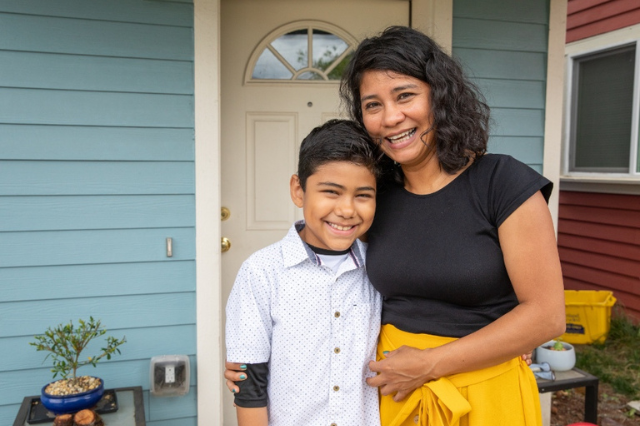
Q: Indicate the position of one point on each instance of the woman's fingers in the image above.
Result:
(400, 395)
(232, 387)
(235, 372)
(400, 372)
(235, 366)
(235, 376)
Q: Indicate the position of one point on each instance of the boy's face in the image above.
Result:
(338, 205)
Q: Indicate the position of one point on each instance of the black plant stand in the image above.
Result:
(130, 410)
(576, 379)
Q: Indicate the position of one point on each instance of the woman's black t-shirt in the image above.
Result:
(436, 258)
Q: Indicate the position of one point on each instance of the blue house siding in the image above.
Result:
(503, 46)
(96, 171)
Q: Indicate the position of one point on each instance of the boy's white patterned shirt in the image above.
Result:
(317, 329)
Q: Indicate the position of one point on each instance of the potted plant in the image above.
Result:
(560, 355)
(65, 344)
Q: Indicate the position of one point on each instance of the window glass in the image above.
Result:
(326, 49)
(303, 54)
(270, 67)
(603, 111)
(310, 75)
(294, 47)
(336, 73)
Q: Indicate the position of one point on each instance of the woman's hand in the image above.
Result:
(403, 371)
(235, 372)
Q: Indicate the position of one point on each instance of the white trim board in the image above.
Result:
(207, 143)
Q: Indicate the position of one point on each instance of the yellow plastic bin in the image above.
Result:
(588, 315)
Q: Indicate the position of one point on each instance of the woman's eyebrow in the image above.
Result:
(394, 90)
(405, 87)
(366, 98)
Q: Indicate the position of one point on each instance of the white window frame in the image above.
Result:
(618, 182)
(309, 25)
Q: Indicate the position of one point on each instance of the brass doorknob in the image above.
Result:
(226, 244)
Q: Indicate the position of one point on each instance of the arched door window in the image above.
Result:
(308, 51)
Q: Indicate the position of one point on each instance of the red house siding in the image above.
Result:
(599, 244)
(586, 18)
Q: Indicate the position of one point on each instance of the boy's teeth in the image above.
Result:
(402, 136)
(340, 228)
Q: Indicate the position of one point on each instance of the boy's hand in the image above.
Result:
(235, 372)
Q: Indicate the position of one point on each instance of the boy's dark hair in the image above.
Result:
(460, 113)
(337, 140)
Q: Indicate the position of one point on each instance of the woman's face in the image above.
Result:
(396, 110)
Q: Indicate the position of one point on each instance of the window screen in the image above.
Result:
(602, 110)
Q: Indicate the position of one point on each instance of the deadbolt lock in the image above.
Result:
(225, 213)
(226, 244)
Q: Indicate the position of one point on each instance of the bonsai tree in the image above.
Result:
(66, 342)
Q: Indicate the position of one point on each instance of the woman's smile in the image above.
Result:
(402, 139)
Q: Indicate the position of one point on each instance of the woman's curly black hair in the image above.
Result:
(460, 112)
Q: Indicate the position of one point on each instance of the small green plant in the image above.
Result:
(557, 346)
(66, 342)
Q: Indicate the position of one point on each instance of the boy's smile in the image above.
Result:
(338, 204)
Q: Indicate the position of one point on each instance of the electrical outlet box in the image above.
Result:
(169, 375)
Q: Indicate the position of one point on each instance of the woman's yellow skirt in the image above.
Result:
(504, 395)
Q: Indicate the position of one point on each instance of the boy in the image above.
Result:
(302, 314)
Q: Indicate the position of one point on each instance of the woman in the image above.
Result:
(462, 247)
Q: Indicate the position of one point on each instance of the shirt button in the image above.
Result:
(337, 314)
(336, 388)
(336, 350)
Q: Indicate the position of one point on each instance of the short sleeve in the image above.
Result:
(248, 327)
(512, 183)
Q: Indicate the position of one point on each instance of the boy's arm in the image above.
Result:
(251, 401)
(251, 406)
(252, 416)
(252, 386)
(248, 333)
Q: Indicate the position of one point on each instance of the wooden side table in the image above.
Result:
(575, 379)
(130, 409)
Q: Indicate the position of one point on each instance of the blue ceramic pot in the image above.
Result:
(65, 404)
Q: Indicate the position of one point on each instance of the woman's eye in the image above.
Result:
(404, 96)
(371, 105)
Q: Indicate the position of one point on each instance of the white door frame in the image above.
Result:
(209, 305)
(206, 27)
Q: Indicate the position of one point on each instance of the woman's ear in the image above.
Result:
(297, 193)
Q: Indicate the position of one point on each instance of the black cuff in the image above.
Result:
(253, 390)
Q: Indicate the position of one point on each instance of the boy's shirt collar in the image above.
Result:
(295, 250)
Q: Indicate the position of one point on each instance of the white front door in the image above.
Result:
(264, 123)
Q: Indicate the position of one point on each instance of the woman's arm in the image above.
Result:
(531, 257)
